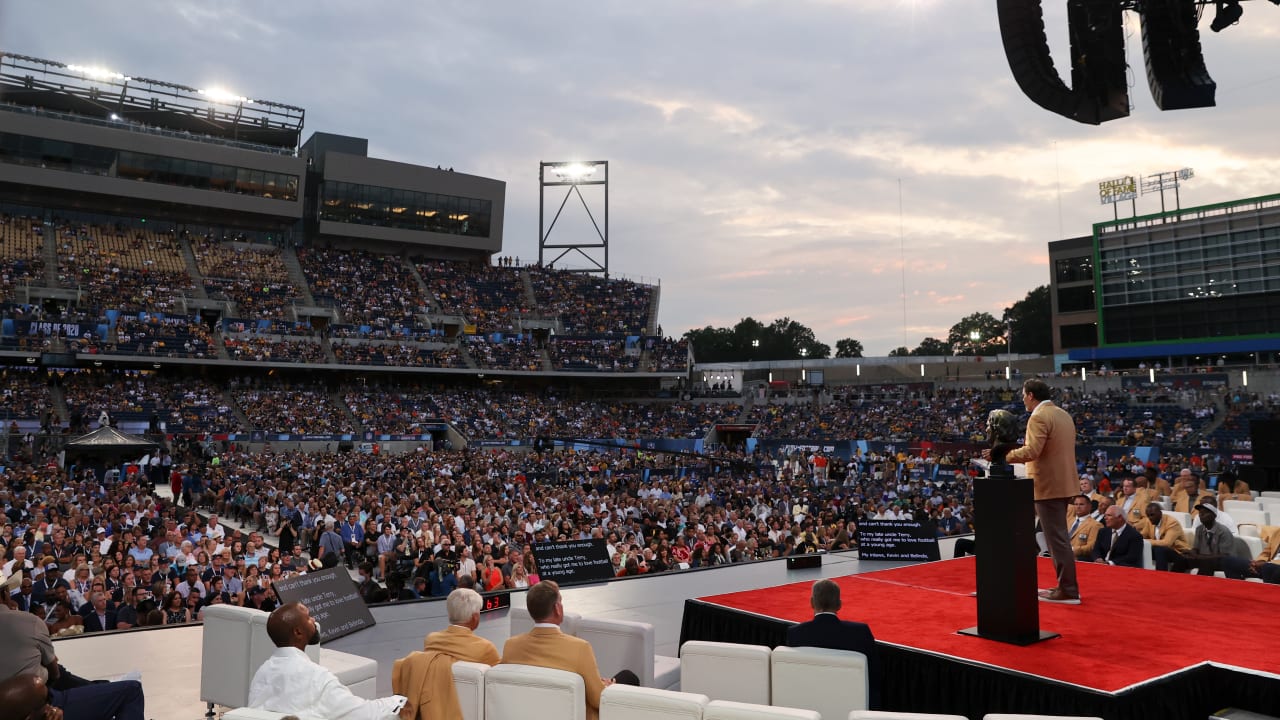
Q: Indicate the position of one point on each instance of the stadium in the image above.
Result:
(221, 332)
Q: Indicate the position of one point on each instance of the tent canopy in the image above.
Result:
(107, 438)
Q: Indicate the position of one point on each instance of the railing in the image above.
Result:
(148, 130)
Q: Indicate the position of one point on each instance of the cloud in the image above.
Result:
(812, 158)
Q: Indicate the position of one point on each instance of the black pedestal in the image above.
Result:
(1008, 604)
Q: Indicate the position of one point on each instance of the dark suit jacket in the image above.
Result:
(91, 623)
(1128, 551)
(828, 631)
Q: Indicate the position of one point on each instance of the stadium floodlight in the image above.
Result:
(95, 72)
(574, 170)
(223, 96)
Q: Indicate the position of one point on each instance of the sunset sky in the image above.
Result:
(770, 159)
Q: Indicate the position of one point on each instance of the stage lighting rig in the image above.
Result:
(1099, 91)
(1227, 14)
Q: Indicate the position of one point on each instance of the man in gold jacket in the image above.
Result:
(426, 678)
(1165, 533)
(1188, 494)
(1082, 528)
(1050, 455)
(546, 646)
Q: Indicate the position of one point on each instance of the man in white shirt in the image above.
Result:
(289, 682)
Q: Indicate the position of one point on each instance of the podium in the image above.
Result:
(1008, 601)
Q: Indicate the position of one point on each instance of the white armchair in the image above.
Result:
(468, 681)
(235, 644)
(625, 645)
(518, 692)
(727, 710)
(833, 682)
(725, 671)
(623, 702)
(522, 622)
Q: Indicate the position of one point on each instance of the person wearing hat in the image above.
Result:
(47, 582)
(1213, 542)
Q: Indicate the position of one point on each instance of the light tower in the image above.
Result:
(574, 176)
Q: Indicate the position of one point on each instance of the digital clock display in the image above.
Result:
(496, 601)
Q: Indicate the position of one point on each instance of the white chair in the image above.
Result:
(1184, 518)
(725, 671)
(833, 682)
(1255, 544)
(1250, 517)
(235, 644)
(623, 702)
(468, 681)
(522, 622)
(1232, 506)
(518, 692)
(1250, 531)
(1269, 503)
(728, 710)
(890, 715)
(1148, 558)
(224, 669)
(1270, 494)
(625, 645)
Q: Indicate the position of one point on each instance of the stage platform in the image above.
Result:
(1143, 644)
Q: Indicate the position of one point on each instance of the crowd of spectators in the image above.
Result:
(164, 404)
(122, 268)
(396, 354)
(260, 348)
(254, 277)
(21, 254)
(491, 298)
(590, 305)
(369, 288)
(509, 353)
(299, 411)
(598, 354)
(174, 336)
(667, 354)
(24, 392)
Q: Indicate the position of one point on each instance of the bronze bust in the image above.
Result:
(1002, 434)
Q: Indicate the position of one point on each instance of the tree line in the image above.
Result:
(979, 333)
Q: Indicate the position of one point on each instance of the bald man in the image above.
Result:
(24, 697)
(289, 682)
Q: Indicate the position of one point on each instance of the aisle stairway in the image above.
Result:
(193, 268)
(297, 276)
(50, 255)
(230, 401)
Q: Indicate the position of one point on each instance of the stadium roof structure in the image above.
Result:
(105, 96)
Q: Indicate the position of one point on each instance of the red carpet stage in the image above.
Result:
(1141, 640)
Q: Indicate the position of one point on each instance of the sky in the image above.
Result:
(867, 168)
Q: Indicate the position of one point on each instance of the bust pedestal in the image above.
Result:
(1008, 604)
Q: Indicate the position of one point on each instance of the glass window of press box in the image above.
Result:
(108, 162)
(1212, 266)
(1076, 269)
(404, 209)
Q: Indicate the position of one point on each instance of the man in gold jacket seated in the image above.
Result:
(1081, 527)
(1165, 533)
(426, 678)
(1189, 494)
(1265, 566)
